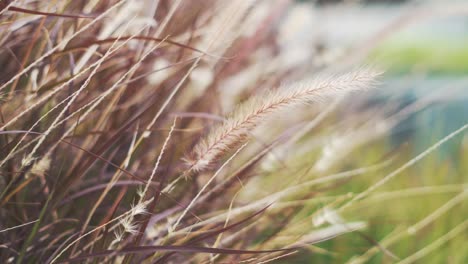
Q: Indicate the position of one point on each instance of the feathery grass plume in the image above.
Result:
(249, 115)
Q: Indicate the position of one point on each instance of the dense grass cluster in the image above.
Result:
(191, 132)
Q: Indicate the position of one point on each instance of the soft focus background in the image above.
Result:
(103, 120)
(422, 47)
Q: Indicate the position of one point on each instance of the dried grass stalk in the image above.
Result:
(254, 112)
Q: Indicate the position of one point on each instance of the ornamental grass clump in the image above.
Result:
(141, 131)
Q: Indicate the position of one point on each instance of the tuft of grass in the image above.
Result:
(106, 105)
